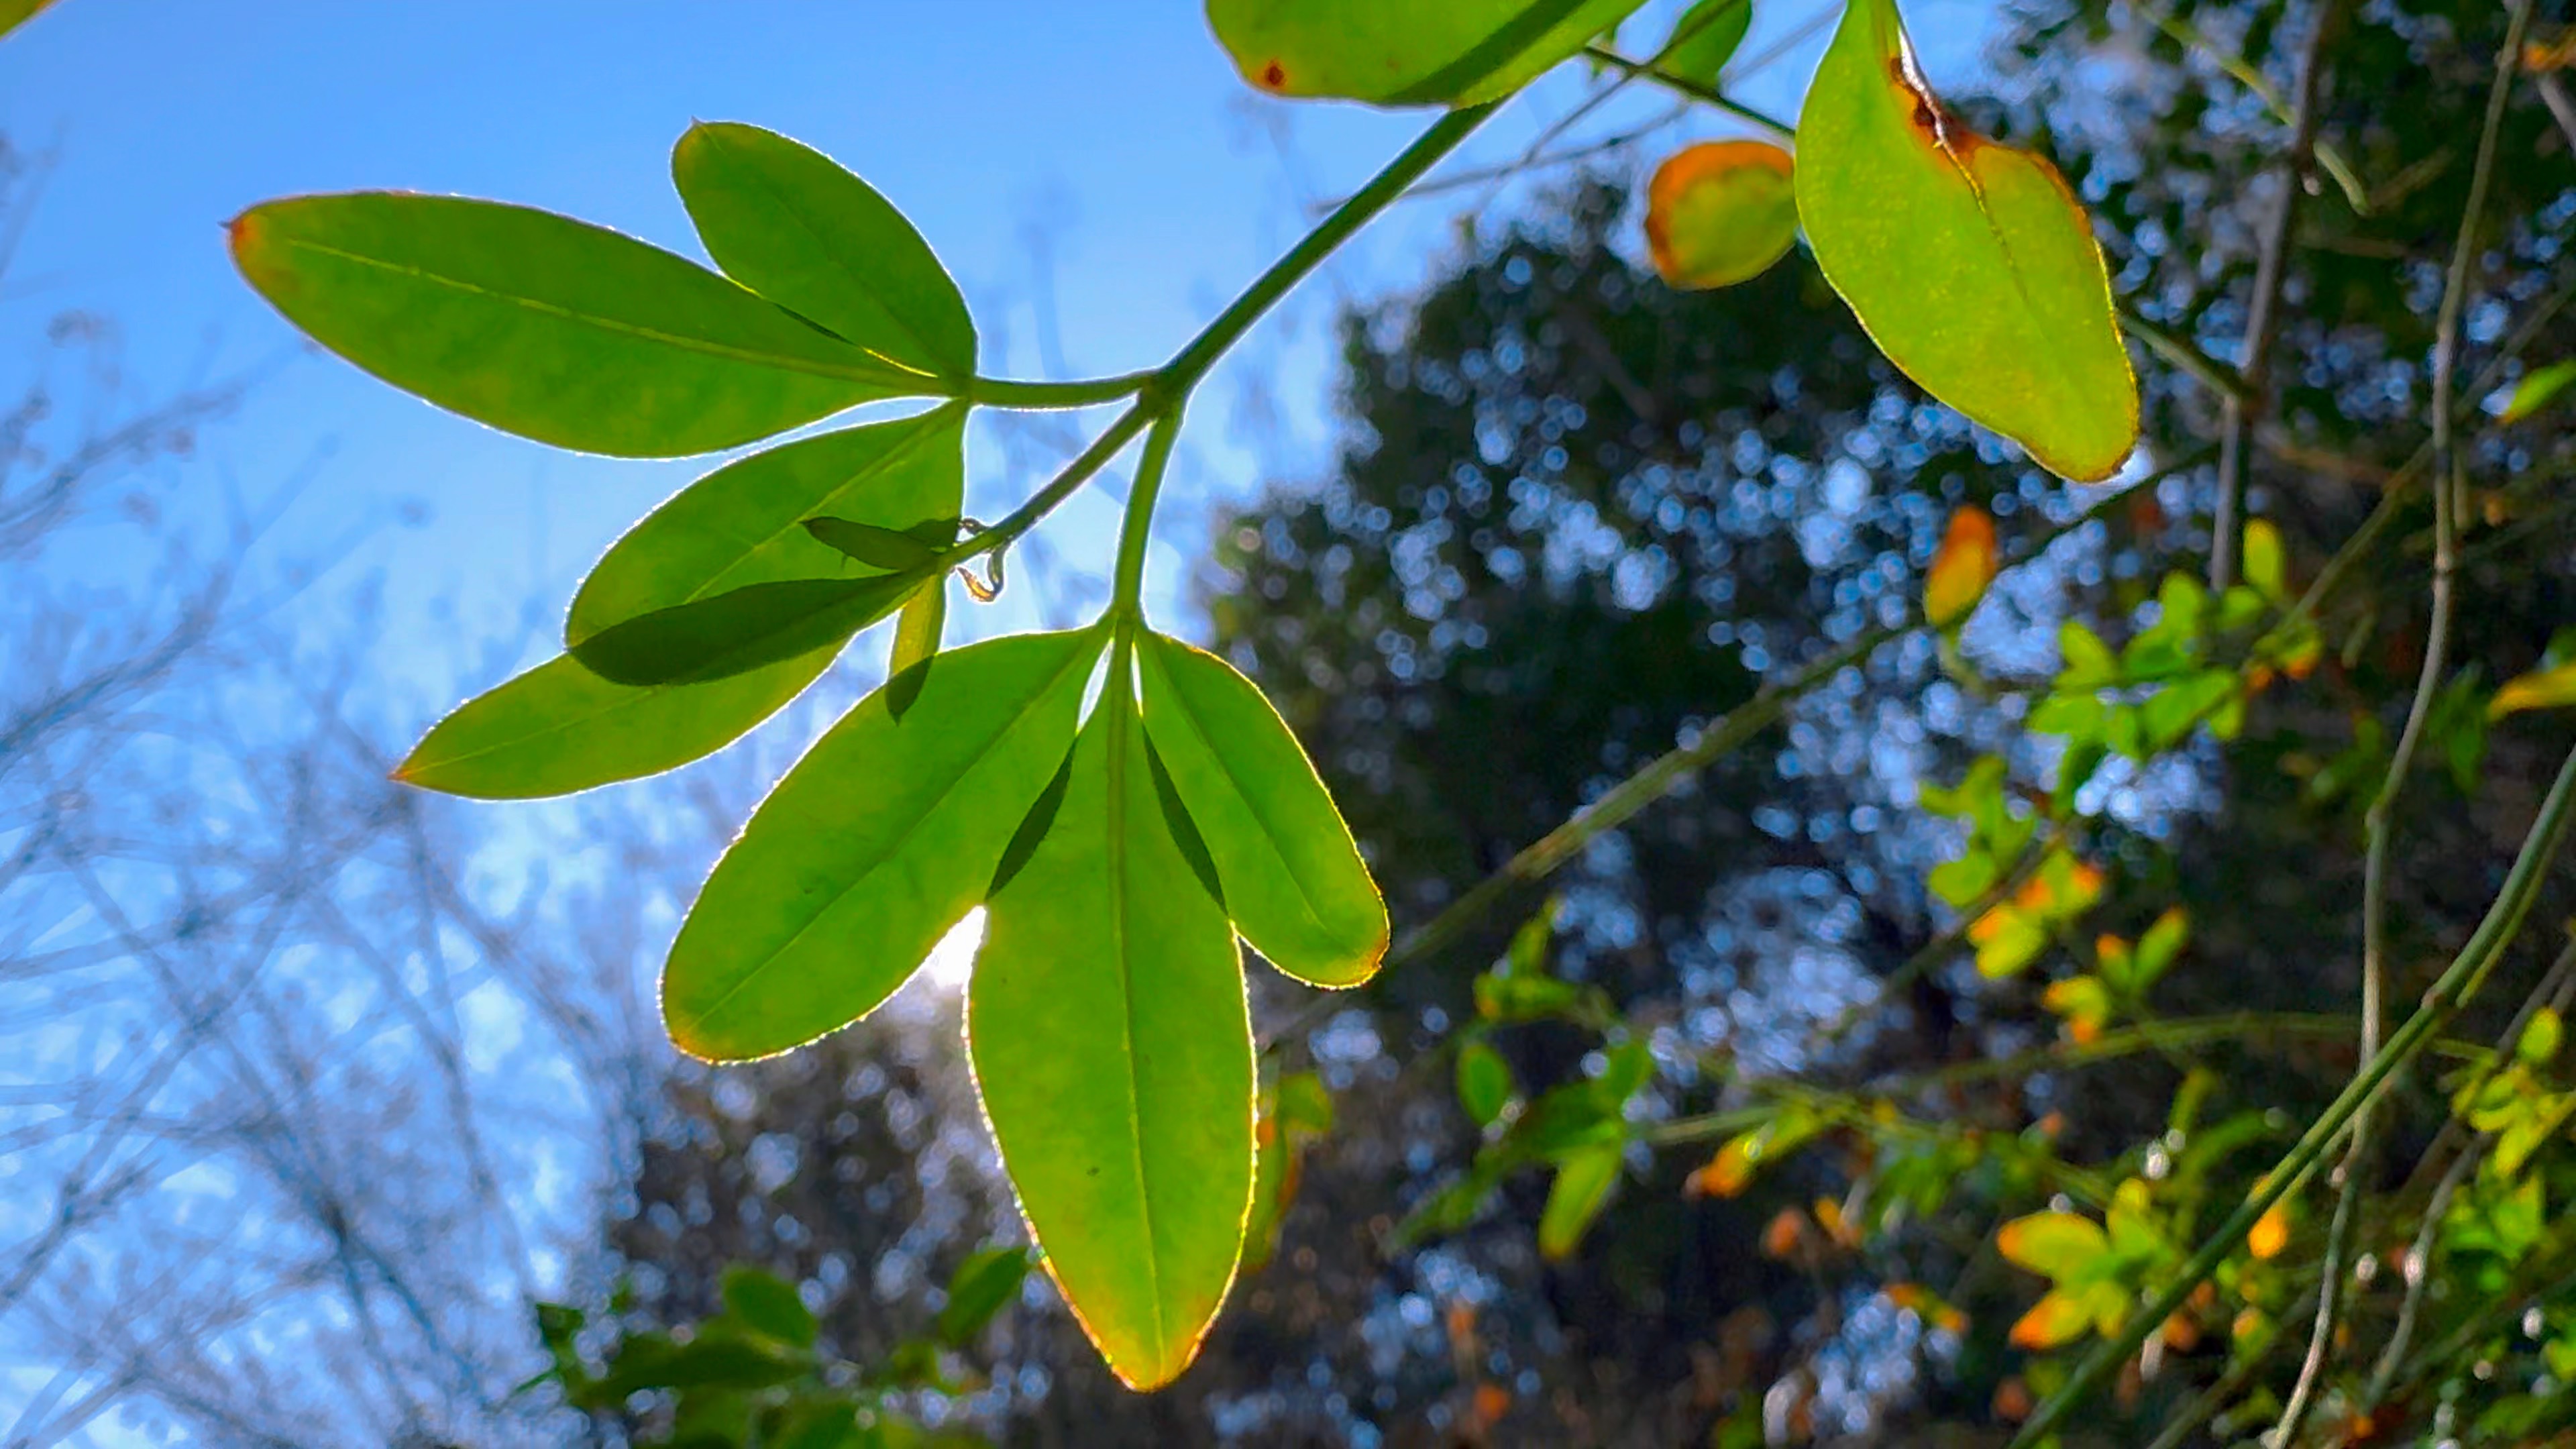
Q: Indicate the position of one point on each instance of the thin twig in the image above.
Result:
(2428, 685)
(2263, 314)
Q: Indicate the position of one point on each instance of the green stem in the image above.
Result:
(1192, 362)
(1127, 594)
(1705, 95)
(2458, 982)
(1158, 395)
(1002, 392)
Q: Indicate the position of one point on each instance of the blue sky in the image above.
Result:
(1115, 131)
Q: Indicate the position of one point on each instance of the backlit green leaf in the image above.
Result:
(1113, 1046)
(788, 222)
(2057, 1245)
(1294, 883)
(744, 523)
(1405, 52)
(1971, 264)
(548, 327)
(877, 843)
(741, 629)
(559, 728)
(1720, 212)
(1705, 39)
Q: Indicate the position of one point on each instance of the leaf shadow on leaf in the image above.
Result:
(741, 629)
(1185, 831)
(1033, 827)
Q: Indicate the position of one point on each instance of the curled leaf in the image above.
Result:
(1720, 212)
(1971, 264)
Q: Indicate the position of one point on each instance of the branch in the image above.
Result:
(2263, 316)
(2457, 984)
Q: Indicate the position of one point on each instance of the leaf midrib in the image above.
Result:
(891, 370)
(1121, 699)
(1011, 725)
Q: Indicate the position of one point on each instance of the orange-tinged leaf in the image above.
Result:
(1961, 569)
(2055, 1319)
(2270, 1233)
(1971, 264)
(1720, 212)
(1726, 1174)
(2540, 689)
(1788, 1228)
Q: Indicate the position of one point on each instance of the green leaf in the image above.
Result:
(1484, 1083)
(1580, 1190)
(559, 728)
(877, 843)
(2056, 1245)
(651, 1361)
(2157, 949)
(2538, 1045)
(741, 629)
(916, 638)
(1303, 1106)
(14, 13)
(1705, 39)
(1293, 881)
(1406, 52)
(548, 327)
(1113, 1045)
(1971, 264)
(744, 523)
(2538, 388)
(881, 548)
(2087, 661)
(788, 222)
(766, 1302)
(982, 1286)
(2266, 562)
(1504, 996)
(1527, 954)
(1720, 212)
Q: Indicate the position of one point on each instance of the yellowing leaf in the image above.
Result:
(2540, 689)
(1962, 568)
(2057, 1245)
(2266, 565)
(1405, 52)
(1720, 212)
(2053, 1320)
(1971, 264)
